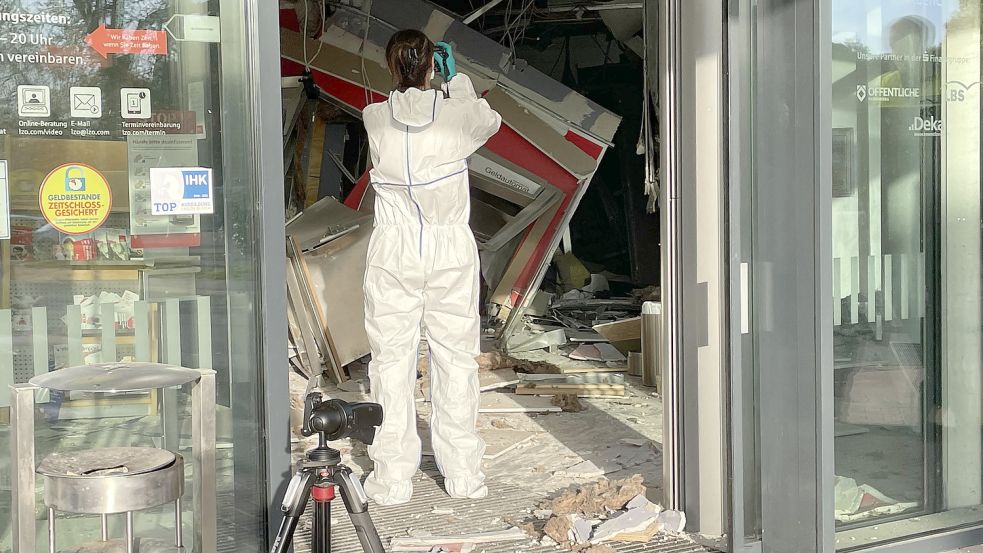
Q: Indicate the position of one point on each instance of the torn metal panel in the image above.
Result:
(329, 245)
(302, 331)
(522, 342)
(529, 178)
(301, 301)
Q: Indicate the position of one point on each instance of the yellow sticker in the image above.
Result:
(75, 198)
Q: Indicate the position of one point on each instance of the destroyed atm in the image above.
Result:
(526, 182)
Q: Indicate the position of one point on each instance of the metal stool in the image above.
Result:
(112, 481)
(117, 480)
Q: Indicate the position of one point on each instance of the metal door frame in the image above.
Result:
(260, 298)
(693, 103)
(787, 178)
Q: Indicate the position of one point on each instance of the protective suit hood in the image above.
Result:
(414, 107)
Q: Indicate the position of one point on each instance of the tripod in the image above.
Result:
(318, 476)
(321, 473)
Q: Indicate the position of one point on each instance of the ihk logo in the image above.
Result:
(861, 92)
(927, 127)
(196, 184)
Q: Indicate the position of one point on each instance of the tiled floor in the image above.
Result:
(457, 517)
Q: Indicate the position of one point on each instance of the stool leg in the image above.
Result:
(178, 530)
(129, 532)
(51, 530)
(105, 527)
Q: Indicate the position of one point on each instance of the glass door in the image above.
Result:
(906, 271)
(132, 229)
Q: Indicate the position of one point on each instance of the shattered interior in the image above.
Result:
(528, 180)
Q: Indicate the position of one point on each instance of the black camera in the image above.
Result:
(338, 419)
(440, 55)
(321, 475)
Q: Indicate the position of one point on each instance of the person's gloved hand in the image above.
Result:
(443, 56)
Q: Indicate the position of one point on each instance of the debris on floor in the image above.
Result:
(495, 361)
(494, 380)
(507, 403)
(538, 444)
(602, 497)
(591, 385)
(859, 502)
(569, 403)
(442, 548)
(565, 370)
(625, 335)
(587, 518)
(641, 523)
(650, 293)
(451, 544)
(601, 352)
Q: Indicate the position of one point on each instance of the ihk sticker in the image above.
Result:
(181, 191)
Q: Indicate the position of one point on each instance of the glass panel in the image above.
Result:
(126, 174)
(906, 266)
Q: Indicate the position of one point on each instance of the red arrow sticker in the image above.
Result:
(127, 41)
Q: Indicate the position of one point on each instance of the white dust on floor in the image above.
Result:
(613, 438)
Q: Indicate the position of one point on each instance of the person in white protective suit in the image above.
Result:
(422, 266)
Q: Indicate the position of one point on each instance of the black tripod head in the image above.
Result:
(335, 419)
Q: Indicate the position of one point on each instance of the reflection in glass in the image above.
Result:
(906, 266)
(176, 288)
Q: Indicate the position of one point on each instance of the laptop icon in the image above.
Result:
(33, 101)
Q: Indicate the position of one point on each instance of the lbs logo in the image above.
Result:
(957, 91)
(931, 126)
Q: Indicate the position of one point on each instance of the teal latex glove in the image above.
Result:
(443, 55)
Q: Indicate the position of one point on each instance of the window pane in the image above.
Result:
(906, 266)
(124, 140)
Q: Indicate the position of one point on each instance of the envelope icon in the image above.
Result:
(86, 101)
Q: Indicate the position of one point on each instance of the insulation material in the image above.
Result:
(597, 499)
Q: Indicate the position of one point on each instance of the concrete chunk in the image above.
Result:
(674, 521)
(635, 520)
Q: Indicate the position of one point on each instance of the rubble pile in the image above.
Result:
(585, 519)
(596, 499)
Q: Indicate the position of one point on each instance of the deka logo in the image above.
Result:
(926, 127)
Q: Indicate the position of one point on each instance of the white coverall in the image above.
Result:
(423, 266)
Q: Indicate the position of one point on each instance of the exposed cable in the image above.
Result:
(366, 85)
(515, 27)
(308, 61)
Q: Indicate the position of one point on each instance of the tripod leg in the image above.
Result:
(358, 509)
(294, 503)
(321, 532)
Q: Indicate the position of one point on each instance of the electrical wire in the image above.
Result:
(308, 61)
(563, 49)
(515, 27)
(600, 47)
(366, 85)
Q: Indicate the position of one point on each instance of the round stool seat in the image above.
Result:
(111, 480)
